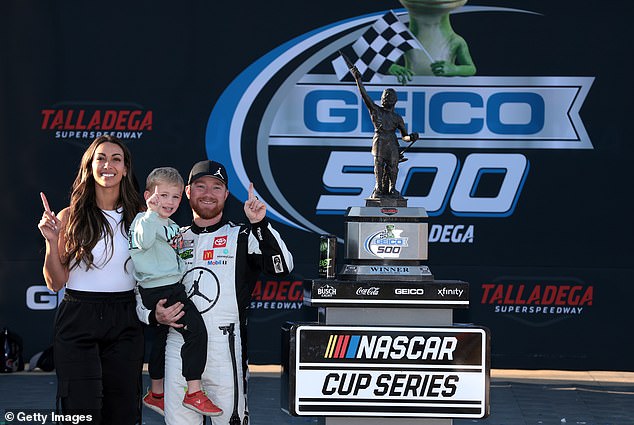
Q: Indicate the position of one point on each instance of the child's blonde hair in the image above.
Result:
(167, 175)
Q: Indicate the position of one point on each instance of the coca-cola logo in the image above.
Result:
(368, 292)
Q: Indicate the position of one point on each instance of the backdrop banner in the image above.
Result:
(522, 163)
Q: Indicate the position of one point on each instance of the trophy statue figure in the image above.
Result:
(385, 147)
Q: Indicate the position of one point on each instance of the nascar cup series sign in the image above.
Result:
(424, 372)
(296, 100)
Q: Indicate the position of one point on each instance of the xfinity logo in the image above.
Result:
(450, 291)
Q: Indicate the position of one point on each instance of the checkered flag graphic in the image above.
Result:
(378, 48)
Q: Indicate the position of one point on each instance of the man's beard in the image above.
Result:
(206, 213)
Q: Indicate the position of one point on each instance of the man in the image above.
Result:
(223, 261)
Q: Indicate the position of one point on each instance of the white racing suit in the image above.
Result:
(223, 264)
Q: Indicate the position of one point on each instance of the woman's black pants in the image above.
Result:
(98, 349)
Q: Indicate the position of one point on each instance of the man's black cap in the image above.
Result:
(208, 168)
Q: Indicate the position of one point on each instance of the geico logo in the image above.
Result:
(389, 242)
(399, 347)
(478, 111)
(409, 291)
(451, 181)
(39, 297)
(394, 385)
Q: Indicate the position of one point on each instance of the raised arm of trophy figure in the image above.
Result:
(364, 94)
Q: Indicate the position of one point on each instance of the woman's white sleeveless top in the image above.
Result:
(108, 273)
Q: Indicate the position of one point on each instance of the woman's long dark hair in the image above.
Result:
(87, 224)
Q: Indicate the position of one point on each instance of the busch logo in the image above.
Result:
(326, 291)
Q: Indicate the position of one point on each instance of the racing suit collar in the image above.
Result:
(208, 229)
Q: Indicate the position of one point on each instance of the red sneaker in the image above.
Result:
(199, 402)
(152, 402)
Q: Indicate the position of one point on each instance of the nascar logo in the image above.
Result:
(388, 347)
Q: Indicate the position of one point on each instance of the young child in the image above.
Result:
(154, 249)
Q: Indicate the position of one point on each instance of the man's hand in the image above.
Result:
(169, 315)
(49, 225)
(254, 209)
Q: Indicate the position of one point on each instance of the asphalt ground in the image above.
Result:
(517, 397)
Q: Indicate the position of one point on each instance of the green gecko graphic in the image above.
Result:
(430, 24)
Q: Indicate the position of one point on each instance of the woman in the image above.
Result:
(98, 340)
